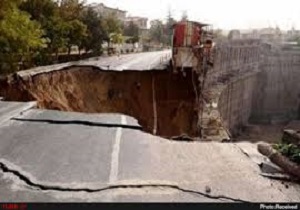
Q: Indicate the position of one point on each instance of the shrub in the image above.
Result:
(289, 150)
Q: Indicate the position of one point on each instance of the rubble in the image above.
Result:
(280, 160)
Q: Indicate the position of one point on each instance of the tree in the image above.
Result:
(168, 32)
(116, 38)
(111, 25)
(132, 32)
(46, 12)
(7, 5)
(76, 33)
(57, 35)
(19, 38)
(95, 31)
(70, 9)
(40, 10)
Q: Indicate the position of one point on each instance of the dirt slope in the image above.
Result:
(87, 89)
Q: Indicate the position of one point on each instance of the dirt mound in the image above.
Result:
(145, 95)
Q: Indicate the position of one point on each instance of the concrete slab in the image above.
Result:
(157, 60)
(9, 110)
(66, 154)
(161, 195)
(221, 167)
(14, 190)
(137, 165)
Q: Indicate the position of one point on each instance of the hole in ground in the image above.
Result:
(90, 90)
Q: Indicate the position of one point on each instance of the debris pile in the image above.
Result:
(286, 154)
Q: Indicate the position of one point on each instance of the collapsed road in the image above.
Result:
(137, 85)
(60, 155)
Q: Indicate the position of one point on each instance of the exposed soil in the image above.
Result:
(90, 90)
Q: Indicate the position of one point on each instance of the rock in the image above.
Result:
(269, 168)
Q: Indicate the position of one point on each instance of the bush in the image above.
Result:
(289, 150)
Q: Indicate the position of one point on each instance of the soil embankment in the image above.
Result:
(145, 95)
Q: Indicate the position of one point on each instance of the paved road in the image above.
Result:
(56, 156)
(157, 60)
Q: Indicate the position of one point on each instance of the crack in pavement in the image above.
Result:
(29, 182)
(80, 122)
(244, 152)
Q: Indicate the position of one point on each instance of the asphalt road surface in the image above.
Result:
(158, 60)
(52, 156)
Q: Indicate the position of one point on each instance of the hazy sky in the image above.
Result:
(226, 14)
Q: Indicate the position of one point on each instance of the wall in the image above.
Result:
(229, 87)
(251, 82)
(234, 57)
(278, 87)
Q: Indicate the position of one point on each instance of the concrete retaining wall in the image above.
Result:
(253, 82)
(278, 88)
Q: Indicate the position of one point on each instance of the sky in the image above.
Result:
(225, 14)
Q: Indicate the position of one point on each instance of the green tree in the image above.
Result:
(168, 31)
(57, 35)
(76, 33)
(70, 9)
(7, 5)
(132, 32)
(46, 12)
(116, 38)
(95, 31)
(111, 25)
(40, 10)
(20, 38)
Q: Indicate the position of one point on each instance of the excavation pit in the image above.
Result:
(161, 101)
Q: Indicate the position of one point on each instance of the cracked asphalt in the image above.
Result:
(158, 60)
(52, 156)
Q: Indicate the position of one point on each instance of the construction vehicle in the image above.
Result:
(192, 51)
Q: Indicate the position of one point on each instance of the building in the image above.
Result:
(106, 11)
(141, 22)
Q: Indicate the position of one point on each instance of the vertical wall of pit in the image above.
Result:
(90, 90)
(254, 83)
(278, 88)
